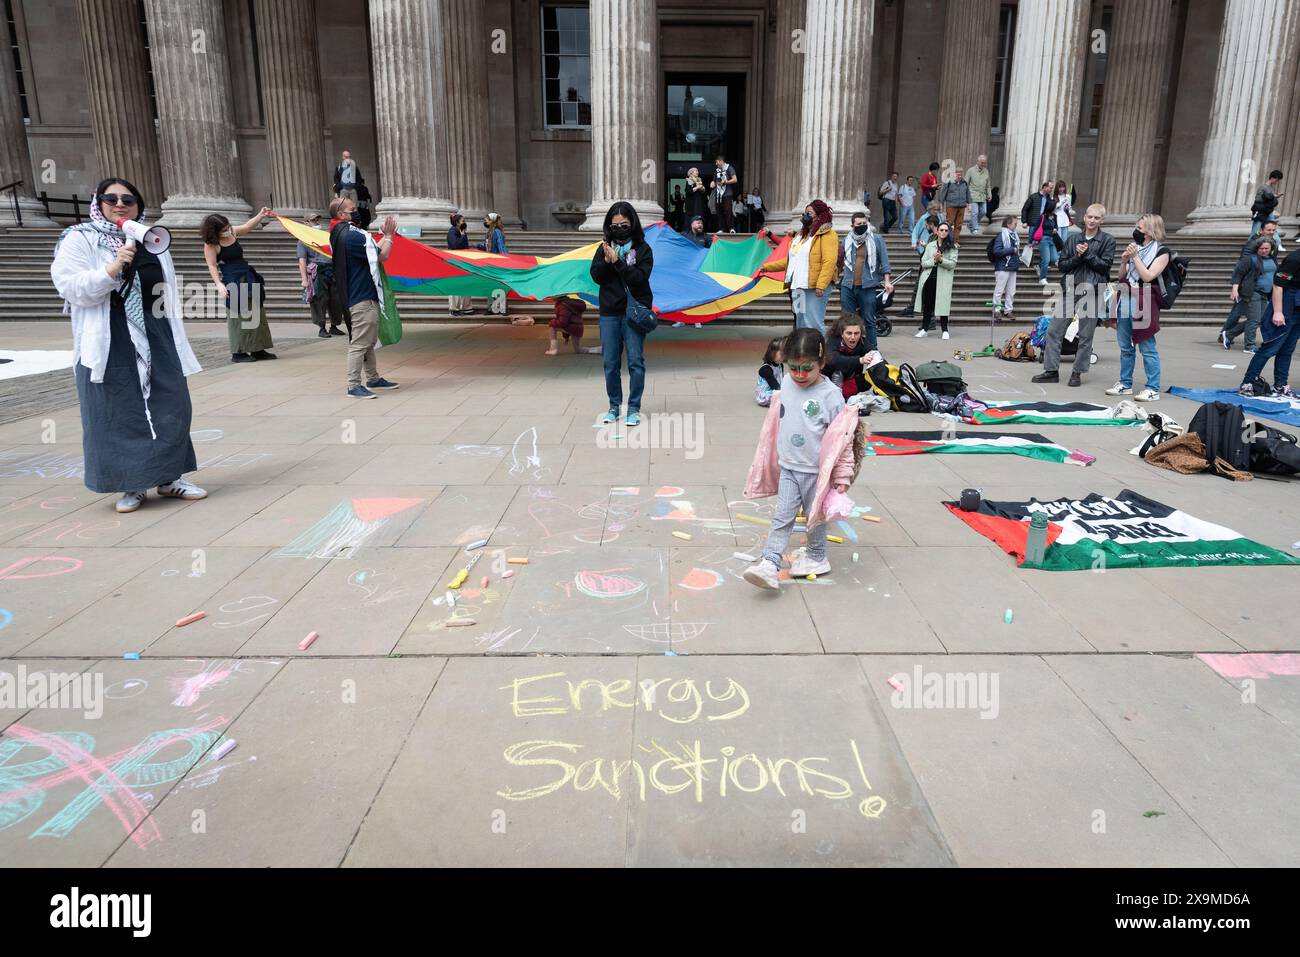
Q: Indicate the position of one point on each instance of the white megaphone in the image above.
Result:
(154, 238)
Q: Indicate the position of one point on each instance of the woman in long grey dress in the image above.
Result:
(241, 285)
(130, 354)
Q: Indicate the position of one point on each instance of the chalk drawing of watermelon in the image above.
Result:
(607, 584)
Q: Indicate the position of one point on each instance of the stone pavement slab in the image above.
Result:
(326, 521)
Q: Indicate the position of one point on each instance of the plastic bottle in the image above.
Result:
(1036, 546)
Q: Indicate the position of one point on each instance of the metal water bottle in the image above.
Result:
(1036, 546)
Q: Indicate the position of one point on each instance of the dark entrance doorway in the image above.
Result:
(705, 117)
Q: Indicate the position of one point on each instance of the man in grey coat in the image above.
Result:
(1085, 271)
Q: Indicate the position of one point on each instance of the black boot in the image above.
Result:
(1046, 377)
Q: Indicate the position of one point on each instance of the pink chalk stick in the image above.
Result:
(895, 684)
(483, 583)
(306, 642)
(188, 619)
(509, 574)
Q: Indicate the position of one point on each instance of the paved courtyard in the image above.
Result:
(623, 698)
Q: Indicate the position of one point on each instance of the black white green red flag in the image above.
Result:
(1057, 413)
(1127, 531)
(1028, 444)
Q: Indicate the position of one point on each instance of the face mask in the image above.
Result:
(860, 230)
(807, 219)
(621, 231)
(1138, 237)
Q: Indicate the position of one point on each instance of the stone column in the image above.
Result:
(1251, 114)
(781, 184)
(406, 41)
(121, 115)
(469, 152)
(1288, 208)
(836, 92)
(15, 158)
(300, 178)
(1136, 63)
(970, 41)
(624, 111)
(200, 159)
(1047, 68)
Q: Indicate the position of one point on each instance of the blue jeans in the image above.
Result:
(908, 218)
(615, 333)
(1047, 255)
(813, 315)
(1279, 349)
(861, 301)
(1128, 350)
(978, 210)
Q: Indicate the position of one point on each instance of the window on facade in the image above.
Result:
(1002, 79)
(18, 61)
(1096, 77)
(566, 66)
(148, 60)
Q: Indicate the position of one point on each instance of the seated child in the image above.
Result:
(568, 323)
(770, 373)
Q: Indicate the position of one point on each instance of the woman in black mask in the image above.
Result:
(621, 267)
(458, 238)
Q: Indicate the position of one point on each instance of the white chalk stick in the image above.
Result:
(226, 747)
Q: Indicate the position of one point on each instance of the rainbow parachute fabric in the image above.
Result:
(690, 284)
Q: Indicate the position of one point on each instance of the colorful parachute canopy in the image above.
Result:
(690, 284)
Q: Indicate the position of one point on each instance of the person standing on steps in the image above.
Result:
(347, 178)
(954, 198)
(130, 353)
(888, 193)
(1085, 273)
(458, 238)
(621, 267)
(240, 286)
(1039, 215)
(977, 177)
(934, 288)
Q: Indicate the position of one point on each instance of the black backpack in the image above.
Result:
(988, 251)
(1170, 282)
(1274, 452)
(1222, 429)
(941, 378)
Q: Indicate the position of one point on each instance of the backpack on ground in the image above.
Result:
(1171, 281)
(941, 378)
(1017, 349)
(887, 380)
(1221, 427)
(1274, 451)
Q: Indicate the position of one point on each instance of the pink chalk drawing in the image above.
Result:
(70, 565)
(112, 781)
(346, 528)
(608, 583)
(669, 491)
(188, 688)
(1253, 666)
(701, 579)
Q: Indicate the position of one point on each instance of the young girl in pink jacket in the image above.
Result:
(811, 442)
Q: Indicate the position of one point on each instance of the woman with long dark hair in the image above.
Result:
(934, 288)
(240, 285)
(622, 267)
(130, 353)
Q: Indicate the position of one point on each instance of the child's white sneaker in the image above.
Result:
(804, 566)
(763, 574)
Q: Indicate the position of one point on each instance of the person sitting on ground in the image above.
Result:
(567, 322)
(848, 353)
(771, 372)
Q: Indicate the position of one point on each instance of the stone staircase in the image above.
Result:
(26, 292)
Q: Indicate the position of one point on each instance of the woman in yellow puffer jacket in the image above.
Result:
(809, 266)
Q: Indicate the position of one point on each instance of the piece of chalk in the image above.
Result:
(460, 622)
(1007, 616)
(132, 656)
(508, 574)
(516, 561)
(451, 598)
(871, 518)
(225, 748)
(190, 618)
(306, 642)
(682, 535)
(752, 519)
(473, 545)
(835, 538)
(459, 579)
(483, 582)
(855, 556)
(895, 684)
(743, 557)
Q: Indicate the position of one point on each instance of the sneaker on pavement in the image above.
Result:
(1246, 389)
(1047, 377)
(1075, 380)
(610, 416)
(633, 419)
(381, 383)
(1249, 352)
(804, 566)
(920, 334)
(130, 501)
(763, 574)
(182, 489)
(946, 336)
(361, 392)
(1285, 390)
(1224, 340)
(1119, 388)
(1148, 395)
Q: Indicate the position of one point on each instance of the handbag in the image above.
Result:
(640, 316)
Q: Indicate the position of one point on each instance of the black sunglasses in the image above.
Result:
(115, 200)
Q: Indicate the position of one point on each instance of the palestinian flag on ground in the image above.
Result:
(1029, 444)
(1128, 531)
(1057, 413)
(690, 284)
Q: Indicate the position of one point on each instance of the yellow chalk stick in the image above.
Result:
(835, 538)
(752, 519)
(682, 535)
(459, 579)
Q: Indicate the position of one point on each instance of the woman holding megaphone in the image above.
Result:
(130, 353)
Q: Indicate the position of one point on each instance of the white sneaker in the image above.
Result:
(130, 501)
(804, 566)
(763, 574)
(1119, 388)
(946, 336)
(1042, 282)
(921, 334)
(182, 489)
(1148, 395)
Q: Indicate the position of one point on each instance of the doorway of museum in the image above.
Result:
(705, 117)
